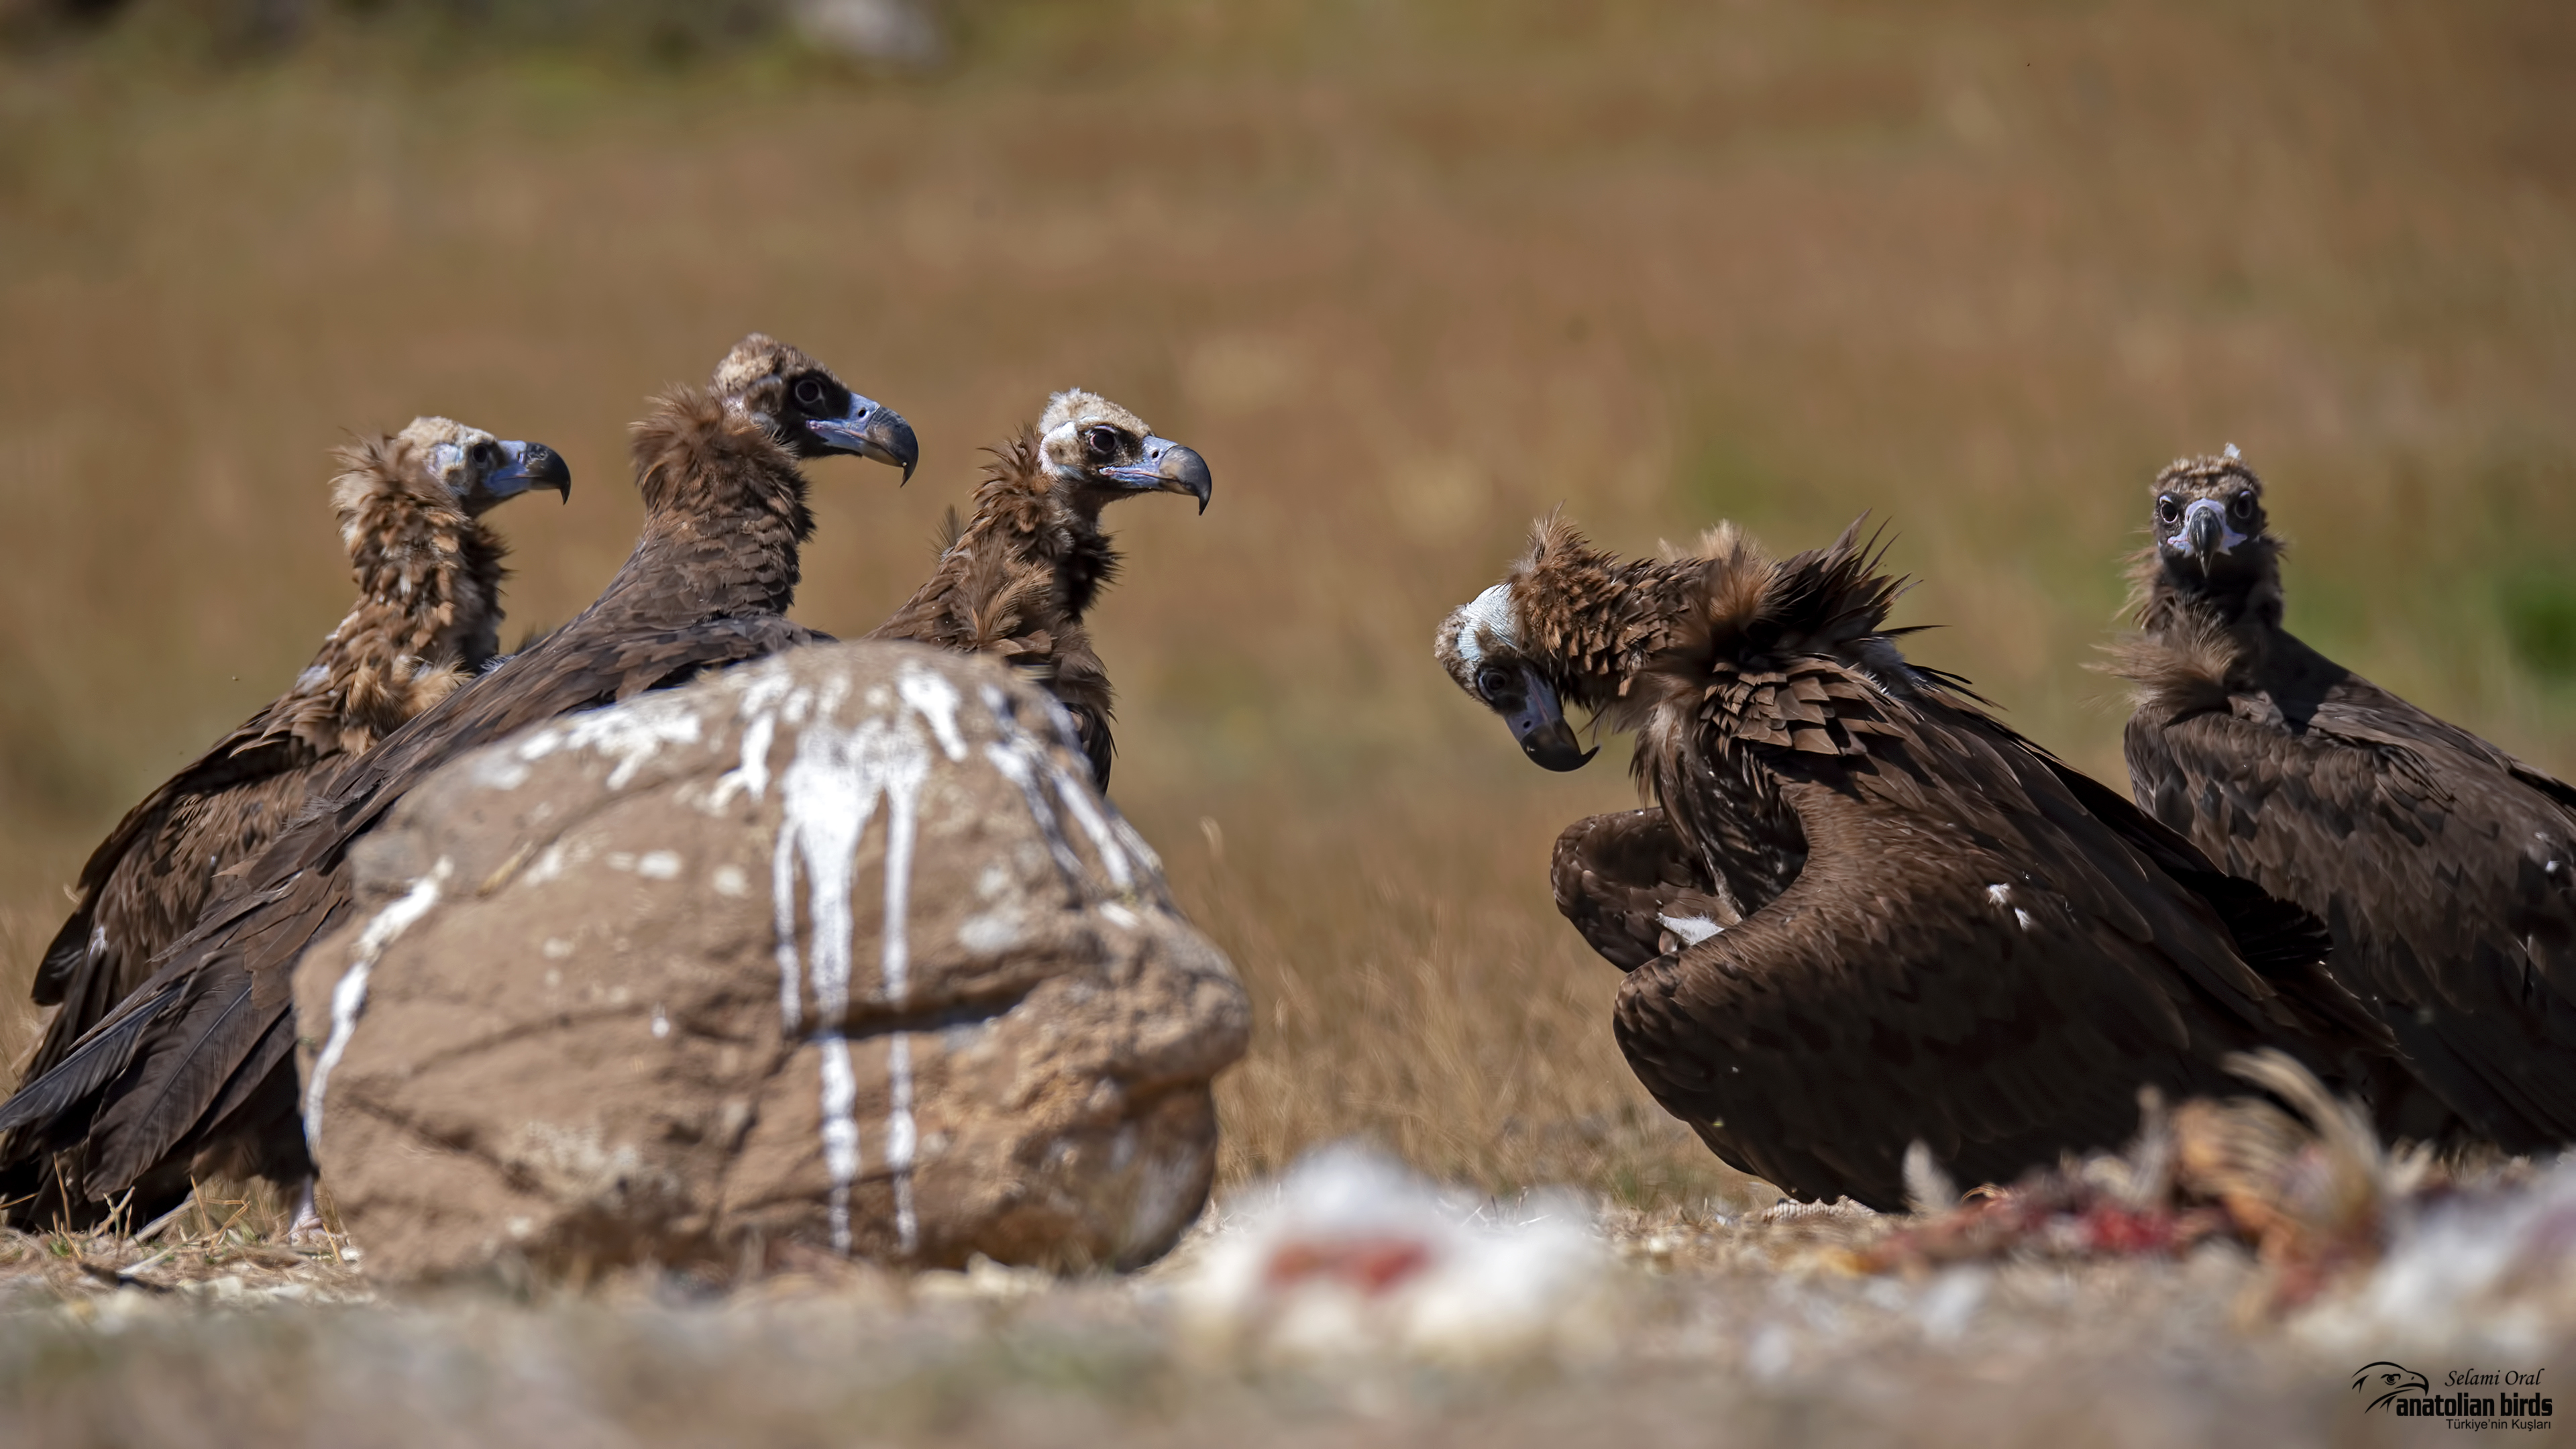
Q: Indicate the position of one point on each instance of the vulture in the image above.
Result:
(428, 614)
(195, 1070)
(2444, 867)
(1905, 922)
(1017, 578)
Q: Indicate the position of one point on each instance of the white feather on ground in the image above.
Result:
(1351, 1255)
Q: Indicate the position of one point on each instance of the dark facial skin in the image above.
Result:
(818, 417)
(1121, 462)
(1529, 707)
(2210, 526)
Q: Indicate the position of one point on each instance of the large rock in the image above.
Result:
(838, 949)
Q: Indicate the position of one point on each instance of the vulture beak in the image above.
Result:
(870, 430)
(1538, 722)
(530, 465)
(2205, 532)
(1168, 468)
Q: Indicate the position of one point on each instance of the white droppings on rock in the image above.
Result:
(631, 734)
(751, 777)
(728, 880)
(658, 865)
(935, 700)
(556, 948)
(661, 1023)
(840, 1131)
(990, 933)
(349, 997)
(828, 795)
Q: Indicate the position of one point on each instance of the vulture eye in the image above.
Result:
(809, 392)
(2243, 507)
(2169, 509)
(1102, 441)
(1494, 682)
(484, 456)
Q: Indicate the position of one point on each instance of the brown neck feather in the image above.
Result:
(724, 517)
(428, 613)
(2198, 640)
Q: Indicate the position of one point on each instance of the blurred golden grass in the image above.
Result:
(1408, 274)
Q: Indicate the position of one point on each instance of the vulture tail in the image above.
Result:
(91, 1065)
(180, 1072)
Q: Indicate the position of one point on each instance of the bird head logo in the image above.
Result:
(2387, 1381)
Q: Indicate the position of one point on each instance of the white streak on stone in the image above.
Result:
(349, 996)
(840, 1132)
(1020, 760)
(933, 698)
(1692, 929)
(659, 865)
(630, 733)
(751, 777)
(902, 1137)
(828, 794)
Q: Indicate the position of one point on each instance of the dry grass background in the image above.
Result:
(1408, 274)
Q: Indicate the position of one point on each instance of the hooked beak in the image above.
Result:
(530, 465)
(1538, 722)
(870, 430)
(2205, 533)
(1168, 468)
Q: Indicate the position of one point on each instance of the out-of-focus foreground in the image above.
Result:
(1407, 274)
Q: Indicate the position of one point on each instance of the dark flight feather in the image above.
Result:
(2444, 867)
(1970, 944)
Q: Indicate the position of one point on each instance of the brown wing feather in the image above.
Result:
(2430, 856)
(1969, 957)
(1617, 878)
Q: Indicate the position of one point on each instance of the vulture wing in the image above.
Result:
(2445, 869)
(1634, 888)
(1971, 956)
(138, 872)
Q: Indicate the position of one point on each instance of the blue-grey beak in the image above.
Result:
(2204, 532)
(1169, 467)
(870, 430)
(528, 465)
(1538, 722)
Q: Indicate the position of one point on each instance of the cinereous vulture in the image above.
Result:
(2445, 868)
(1016, 580)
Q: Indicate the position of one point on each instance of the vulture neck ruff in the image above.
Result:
(725, 515)
(428, 612)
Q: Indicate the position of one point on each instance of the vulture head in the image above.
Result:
(1096, 451)
(474, 469)
(2209, 525)
(1503, 659)
(1572, 624)
(807, 410)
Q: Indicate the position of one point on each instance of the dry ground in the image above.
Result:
(1408, 274)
